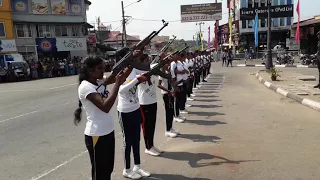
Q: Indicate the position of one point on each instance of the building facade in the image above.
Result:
(280, 26)
(7, 41)
(50, 27)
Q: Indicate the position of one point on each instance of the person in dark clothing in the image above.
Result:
(230, 58)
(318, 58)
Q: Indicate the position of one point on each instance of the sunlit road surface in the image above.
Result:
(236, 129)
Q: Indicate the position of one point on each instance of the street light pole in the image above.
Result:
(269, 63)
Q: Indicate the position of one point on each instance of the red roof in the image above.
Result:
(117, 36)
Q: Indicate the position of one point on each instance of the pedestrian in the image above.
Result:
(168, 96)
(224, 57)
(97, 103)
(230, 58)
(130, 118)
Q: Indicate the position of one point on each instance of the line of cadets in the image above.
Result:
(137, 108)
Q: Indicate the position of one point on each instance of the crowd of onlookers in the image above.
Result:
(47, 67)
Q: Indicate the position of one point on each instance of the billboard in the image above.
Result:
(276, 12)
(201, 12)
(224, 33)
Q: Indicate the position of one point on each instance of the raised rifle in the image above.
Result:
(164, 49)
(129, 59)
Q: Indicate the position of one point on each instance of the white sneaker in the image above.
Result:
(175, 131)
(141, 172)
(184, 112)
(190, 99)
(195, 88)
(157, 149)
(127, 173)
(179, 120)
(181, 117)
(188, 105)
(170, 134)
(151, 152)
(192, 95)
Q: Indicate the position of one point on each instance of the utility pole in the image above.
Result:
(217, 26)
(123, 36)
(269, 53)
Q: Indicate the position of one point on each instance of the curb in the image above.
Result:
(278, 66)
(304, 101)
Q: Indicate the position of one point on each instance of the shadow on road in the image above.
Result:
(201, 113)
(205, 96)
(172, 177)
(205, 106)
(204, 122)
(194, 158)
(199, 138)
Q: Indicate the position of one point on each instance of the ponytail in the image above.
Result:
(77, 114)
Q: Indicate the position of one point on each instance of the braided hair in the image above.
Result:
(89, 63)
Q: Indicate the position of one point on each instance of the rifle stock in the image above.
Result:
(128, 58)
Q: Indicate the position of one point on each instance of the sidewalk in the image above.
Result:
(298, 84)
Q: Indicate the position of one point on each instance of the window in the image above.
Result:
(61, 31)
(263, 3)
(281, 21)
(250, 5)
(0, 2)
(243, 3)
(256, 3)
(275, 22)
(2, 29)
(244, 24)
(263, 22)
(75, 30)
(23, 30)
(250, 23)
(44, 31)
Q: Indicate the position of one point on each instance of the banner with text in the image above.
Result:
(20, 6)
(58, 6)
(8, 45)
(39, 6)
(201, 12)
(276, 12)
(75, 7)
(71, 44)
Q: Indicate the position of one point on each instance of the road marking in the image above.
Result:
(32, 112)
(21, 90)
(45, 173)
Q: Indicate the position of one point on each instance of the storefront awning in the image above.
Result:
(307, 22)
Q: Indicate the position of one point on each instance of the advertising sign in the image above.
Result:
(71, 44)
(46, 44)
(39, 6)
(8, 45)
(75, 7)
(224, 33)
(276, 12)
(58, 6)
(201, 12)
(20, 6)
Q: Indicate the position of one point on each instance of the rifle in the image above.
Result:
(177, 51)
(164, 49)
(128, 59)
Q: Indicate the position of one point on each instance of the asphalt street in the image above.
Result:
(236, 129)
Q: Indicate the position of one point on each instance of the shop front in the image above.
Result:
(73, 46)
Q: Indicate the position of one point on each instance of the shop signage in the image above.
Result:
(276, 12)
(71, 44)
(20, 6)
(8, 46)
(201, 12)
(75, 7)
(46, 45)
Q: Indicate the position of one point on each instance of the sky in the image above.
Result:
(147, 15)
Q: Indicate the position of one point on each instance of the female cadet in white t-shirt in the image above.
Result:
(97, 102)
(130, 118)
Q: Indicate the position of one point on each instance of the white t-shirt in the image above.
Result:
(99, 123)
(147, 94)
(128, 100)
(173, 67)
(164, 83)
(185, 66)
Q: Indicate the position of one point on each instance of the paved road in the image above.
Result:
(242, 131)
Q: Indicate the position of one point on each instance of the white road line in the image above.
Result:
(45, 173)
(22, 90)
(32, 112)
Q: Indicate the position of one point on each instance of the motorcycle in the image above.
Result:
(285, 58)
